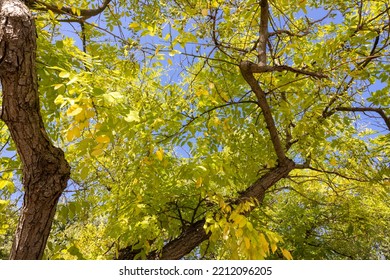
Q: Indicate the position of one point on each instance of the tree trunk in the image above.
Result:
(45, 170)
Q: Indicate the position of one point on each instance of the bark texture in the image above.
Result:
(45, 170)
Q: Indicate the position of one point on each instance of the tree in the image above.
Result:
(198, 129)
(45, 170)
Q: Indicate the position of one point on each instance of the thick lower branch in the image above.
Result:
(184, 244)
(257, 189)
(195, 234)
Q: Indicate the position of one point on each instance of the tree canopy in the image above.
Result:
(198, 129)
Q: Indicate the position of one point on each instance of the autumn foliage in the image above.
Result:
(205, 129)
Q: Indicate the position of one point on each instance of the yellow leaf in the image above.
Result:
(7, 175)
(226, 231)
(173, 53)
(97, 152)
(287, 254)
(89, 114)
(79, 117)
(160, 154)
(273, 247)
(134, 25)
(239, 233)
(198, 182)
(57, 86)
(205, 12)
(84, 172)
(249, 226)
(73, 133)
(132, 116)
(264, 243)
(216, 121)
(157, 50)
(224, 96)
(3, 183)
(151, 29)
(103, 139)
(241, 221)
(59, 99)
(71, 81)
(247, 242)
(64, 74)
(74, 110)
(4, 202)
(215, 3)
(98, 126)
(273, 237)
(146, 161)
(84, 124)
(157, 122)
(201, 92)
(333, 162)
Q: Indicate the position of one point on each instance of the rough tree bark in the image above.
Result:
(45, 170)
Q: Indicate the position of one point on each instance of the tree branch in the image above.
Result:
(83, 13)
(287, 32)
(367, 109)
(256, 68)
(263, 33)
(247, 73)
(372, 54)
(194, 235)
(45, 169)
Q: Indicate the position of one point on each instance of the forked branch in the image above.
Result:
(247, 73)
